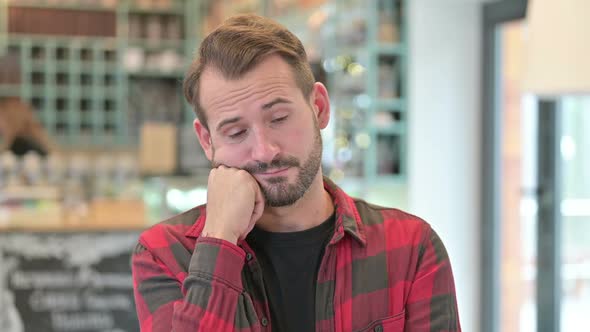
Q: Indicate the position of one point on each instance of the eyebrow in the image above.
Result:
(228, 121)
(278, 100)
(266, 106)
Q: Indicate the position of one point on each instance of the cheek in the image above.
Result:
(292, 134)
(298, 140)
(231, 155)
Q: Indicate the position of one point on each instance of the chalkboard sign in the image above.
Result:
(67, 282)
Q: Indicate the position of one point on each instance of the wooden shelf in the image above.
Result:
(53, 5)
(74, 228)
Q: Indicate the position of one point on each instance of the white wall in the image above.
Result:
(444, 140)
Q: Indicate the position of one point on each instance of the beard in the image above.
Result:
(278, 191)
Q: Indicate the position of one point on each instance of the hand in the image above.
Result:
(234, 204)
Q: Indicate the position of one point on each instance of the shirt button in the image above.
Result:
(378, 328)
(264, 321)
(248, 256)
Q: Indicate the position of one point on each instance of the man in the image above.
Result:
(278, 247)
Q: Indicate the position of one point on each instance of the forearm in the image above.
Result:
(211, 297)
(213, 287)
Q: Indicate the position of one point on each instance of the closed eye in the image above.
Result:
(238, 134)
(279, 120)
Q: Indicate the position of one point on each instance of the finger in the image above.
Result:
(258, 203)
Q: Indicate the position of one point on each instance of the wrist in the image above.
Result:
(220, 235)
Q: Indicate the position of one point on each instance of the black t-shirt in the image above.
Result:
(290, 263)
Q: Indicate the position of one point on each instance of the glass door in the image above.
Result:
(575, 213)
(518, 174)
(536, 198)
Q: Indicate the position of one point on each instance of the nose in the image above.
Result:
(265, 148)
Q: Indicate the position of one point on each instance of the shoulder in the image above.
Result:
(396, 225)
(168, 245)
(171, 230)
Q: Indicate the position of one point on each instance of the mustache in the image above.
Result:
(277, 163)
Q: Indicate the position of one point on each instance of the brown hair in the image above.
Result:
(17, 120)
(239, 44)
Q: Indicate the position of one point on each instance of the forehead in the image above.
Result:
(272, 75)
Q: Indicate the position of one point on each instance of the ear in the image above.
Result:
(204, 138)
(320, 102)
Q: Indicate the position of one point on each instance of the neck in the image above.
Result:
(309, 211)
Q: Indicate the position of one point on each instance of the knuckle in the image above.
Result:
(242, 173)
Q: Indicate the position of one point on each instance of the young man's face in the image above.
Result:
(262, 123)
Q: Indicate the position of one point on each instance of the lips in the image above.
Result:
(272, 172)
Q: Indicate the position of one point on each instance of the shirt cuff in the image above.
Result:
(219, 260)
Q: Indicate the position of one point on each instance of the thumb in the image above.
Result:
(259, 204)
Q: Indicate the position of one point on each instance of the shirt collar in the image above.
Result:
(348, 220)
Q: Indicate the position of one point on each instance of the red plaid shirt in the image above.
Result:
(383, 270)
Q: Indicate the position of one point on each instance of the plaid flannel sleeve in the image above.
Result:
(432, 303)
(211, 298)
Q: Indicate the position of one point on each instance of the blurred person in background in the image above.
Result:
(279, 247)
(20, 132)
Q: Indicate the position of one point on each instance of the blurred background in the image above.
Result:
(472, 114)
